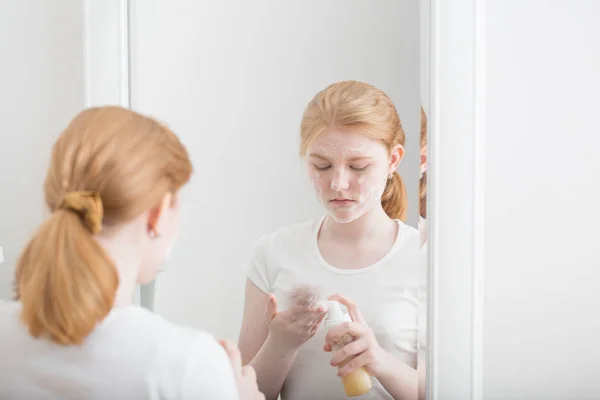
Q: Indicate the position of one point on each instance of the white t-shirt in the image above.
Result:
(385, 292)
(132, 354)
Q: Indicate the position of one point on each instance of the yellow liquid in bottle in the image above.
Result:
(357, 383)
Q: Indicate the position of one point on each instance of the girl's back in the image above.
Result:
(132, 354)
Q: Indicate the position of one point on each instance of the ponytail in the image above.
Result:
(64, 279)
(394, 198)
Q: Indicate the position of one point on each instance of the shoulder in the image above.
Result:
(288, 237)
(203, 369)
(9, 316)
(186, 361)
(408, 235)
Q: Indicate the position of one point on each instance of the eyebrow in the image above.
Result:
(356, 158)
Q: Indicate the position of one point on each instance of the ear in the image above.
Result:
(396, 156)
(155, 215)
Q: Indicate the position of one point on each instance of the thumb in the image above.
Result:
(271, 307)
(234, 355)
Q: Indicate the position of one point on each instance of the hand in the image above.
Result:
(244, 375)
(292, 328)
(364, 351)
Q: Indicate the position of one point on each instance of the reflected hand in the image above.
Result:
(245, 376)
(364, 351)
(294, 327)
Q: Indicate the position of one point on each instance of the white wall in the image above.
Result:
(41, 81)
(515, 216)
(541, 336)
(232, 79)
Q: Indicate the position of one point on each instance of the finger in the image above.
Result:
(355, 330)
(299, 312)
(359, 361)
(271, 307)
(234, 355)
(349, 351)
(249, 372)
(320, 320)
(351, 306)
(310, 318)
(327, 347)
(316, 324)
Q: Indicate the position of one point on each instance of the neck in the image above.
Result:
(121, 248)
(374, 224)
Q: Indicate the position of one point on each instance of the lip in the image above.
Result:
(341, 202)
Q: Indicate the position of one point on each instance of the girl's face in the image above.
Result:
(349, 172)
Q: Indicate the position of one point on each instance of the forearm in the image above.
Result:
(400, 380)
(272, 364)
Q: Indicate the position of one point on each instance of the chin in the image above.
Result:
(345, 217)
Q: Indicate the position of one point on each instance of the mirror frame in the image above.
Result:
(455, 202)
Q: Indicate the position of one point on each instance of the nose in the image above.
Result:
(339, 181)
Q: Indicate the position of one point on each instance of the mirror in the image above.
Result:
(234, 81)
(304, 122)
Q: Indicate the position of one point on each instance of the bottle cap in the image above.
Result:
(335, 314)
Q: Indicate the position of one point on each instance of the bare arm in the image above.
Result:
(271, 361)
(400, 380)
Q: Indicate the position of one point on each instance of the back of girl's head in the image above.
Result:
(107, 167)
(358, 106)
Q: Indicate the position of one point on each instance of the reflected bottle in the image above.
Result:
(359, 381)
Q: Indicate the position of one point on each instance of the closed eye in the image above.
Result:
(359, 168)
(321, 167)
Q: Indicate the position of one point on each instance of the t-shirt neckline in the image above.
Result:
(342, 271)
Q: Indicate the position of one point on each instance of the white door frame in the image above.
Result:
(455, 199)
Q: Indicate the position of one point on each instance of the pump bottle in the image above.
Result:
(359, 381)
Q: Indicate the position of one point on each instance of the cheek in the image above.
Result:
(319, 183)
(368, 180)
(371, 185)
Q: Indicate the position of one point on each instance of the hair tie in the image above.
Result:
(88, 205)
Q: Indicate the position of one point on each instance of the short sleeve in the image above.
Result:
(209, 373)
(257, 266)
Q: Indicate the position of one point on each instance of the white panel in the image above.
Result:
(455, 202)
(542, 268)
(106, 40)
